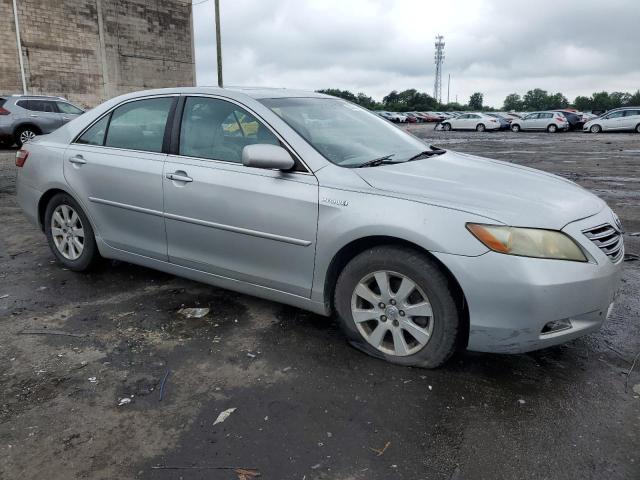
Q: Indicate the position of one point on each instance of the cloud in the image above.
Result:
(375, 46)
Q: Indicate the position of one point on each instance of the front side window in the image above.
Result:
(139, 125)
(219, 130)
(95, 134)
(614, 115)
(344, 133)
(67, 108)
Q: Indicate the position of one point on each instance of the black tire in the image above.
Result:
(428, 276)
(515, 128)
(638, 128)
(446, 127)
(89, 255)
(480, 127)
(552, 128)
(595, 129)
(21, 131)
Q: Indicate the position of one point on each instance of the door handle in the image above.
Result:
(66, 118)
(179, 177)
(33, 115)
(78, 160)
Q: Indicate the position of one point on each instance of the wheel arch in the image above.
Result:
(44, 201)
(26, 124)
(343, 256)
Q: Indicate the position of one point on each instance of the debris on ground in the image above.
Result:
(124, 401)
(634, 234)
(521, 401)
(193, 312)
(92, 380)
(162, 384)
(636, 388)
(380, 451)
(246, 473)
(45, 331)
(4, 296)
(224, 415)
(251, 355)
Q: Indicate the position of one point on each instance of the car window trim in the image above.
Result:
(175, 137)
(110, 111)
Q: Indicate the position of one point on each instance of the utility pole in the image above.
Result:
(448, 88)
(218, 44)
(439, 58)
(19, 44)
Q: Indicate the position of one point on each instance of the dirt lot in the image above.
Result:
(307, 405)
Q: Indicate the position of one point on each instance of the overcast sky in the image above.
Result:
(374, 46)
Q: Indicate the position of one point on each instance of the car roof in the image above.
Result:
(35, 97)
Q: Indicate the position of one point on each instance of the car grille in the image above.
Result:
(608, 239)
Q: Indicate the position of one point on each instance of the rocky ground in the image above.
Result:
(123, 386)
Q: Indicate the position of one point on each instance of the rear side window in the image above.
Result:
(38, 105)
(95, 134)
(219, 130)
(139, 125)
(546, 115)
(627, 113)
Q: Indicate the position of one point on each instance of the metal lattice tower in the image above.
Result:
(439, 58)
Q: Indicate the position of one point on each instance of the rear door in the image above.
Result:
(115, 169)
(42, 113)
(248, 224)
(631, 119)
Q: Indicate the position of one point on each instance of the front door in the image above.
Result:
(67, 112)
(249, 224)
(118, 176)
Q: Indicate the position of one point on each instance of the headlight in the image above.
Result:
(527, 242)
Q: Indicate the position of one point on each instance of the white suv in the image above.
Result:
(627, 118)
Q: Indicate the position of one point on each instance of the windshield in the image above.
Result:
(343, 133)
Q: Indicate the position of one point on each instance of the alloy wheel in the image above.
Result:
(552, 129)
(67, 232)
(595, 129)
(392, 313)
(27, 135)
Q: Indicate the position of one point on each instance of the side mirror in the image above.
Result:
(264, 155)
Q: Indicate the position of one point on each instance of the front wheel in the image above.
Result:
(446, 127)
(552, 128)
(515, 128)
(395, 303)
(69, 234)
(595, 129)
(638, 128)
(480, 127)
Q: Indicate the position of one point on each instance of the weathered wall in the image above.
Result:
(92, 50)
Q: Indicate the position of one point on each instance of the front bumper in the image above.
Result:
(511, 299)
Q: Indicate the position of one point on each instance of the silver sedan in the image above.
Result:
(312, 201)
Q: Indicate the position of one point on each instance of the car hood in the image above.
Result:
(511, 194)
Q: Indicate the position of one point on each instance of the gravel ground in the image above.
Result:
(307, 405)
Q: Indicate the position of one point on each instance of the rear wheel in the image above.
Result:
(69, 234)
(553, 128)
(515, 128)
(595, 129)
(480, 127)
(24, 134)
(394, 303)
(638, 128)
(446, 126)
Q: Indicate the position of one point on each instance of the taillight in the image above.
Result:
(4, 111)
(21, 157)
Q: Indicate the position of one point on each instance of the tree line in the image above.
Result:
(536, 99)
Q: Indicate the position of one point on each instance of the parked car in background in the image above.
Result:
(419, 251)
(573, 117)
(620, 119)
(392, 116)
(23, 117)
(505, 123)
(431, 117)
(472, 121)
(413, 117)
(549, 121)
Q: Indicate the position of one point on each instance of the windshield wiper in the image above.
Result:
(377, 161)
(427, 153)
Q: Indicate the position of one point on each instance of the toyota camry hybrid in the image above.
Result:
(312, 201)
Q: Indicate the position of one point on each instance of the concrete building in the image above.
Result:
(92, 50)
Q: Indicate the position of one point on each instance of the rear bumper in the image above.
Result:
(511, 299)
